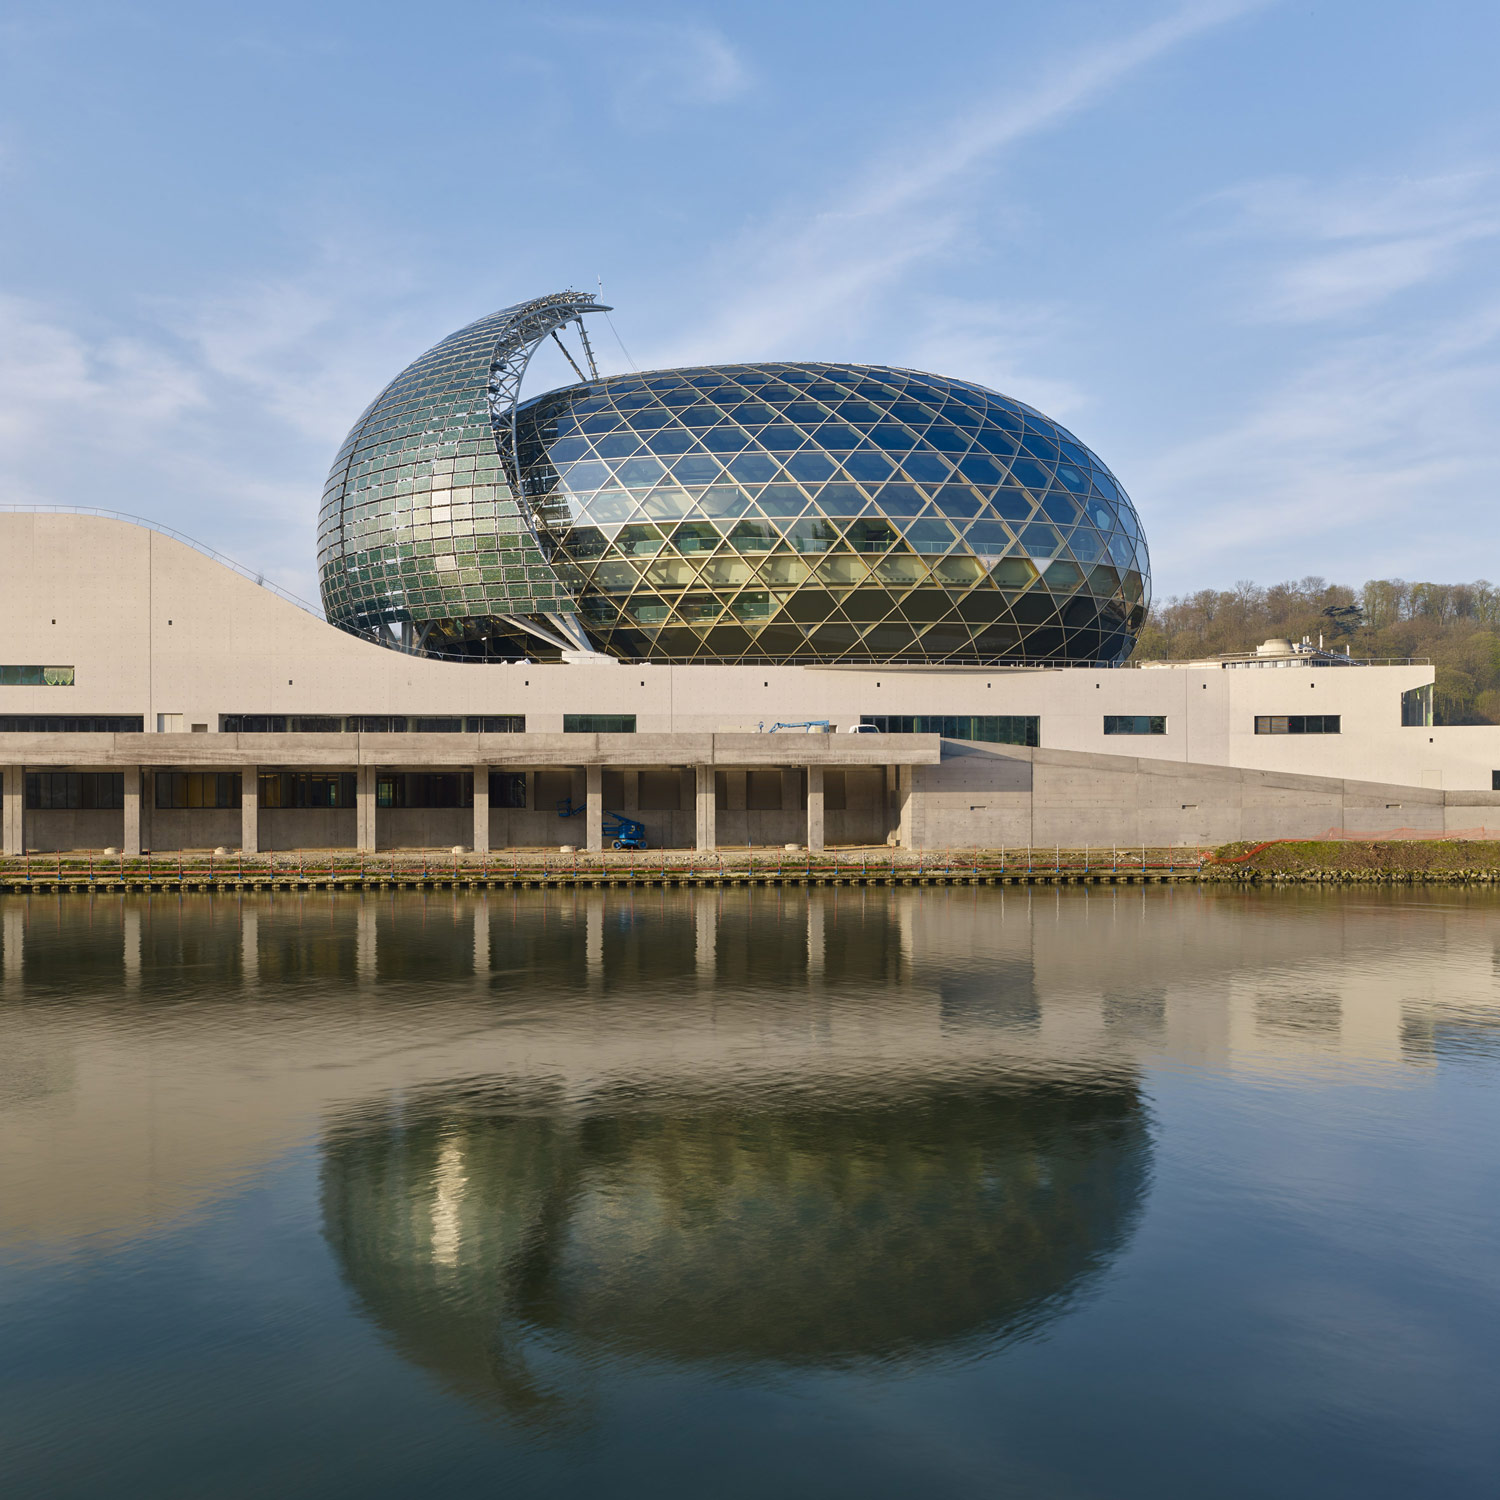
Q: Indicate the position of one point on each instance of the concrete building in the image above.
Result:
(152, 697)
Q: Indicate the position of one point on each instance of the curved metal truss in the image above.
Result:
(527, 326)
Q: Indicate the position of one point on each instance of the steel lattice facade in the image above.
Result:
(770, 512)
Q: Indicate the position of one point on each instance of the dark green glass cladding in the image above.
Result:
(828, 512)
(419, 525)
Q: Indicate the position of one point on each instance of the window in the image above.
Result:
(72, 723)
(197, 788)
(372, 724)
(1416, 708)
(598, 723)
(74, 791)
(1296, 723)
(1495, 781)
(1135, 724)
(994, 729)
(307, 789)
(507, 789)
(36, 676)
(425, 789)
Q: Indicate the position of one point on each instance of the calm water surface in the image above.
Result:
(865, 1193)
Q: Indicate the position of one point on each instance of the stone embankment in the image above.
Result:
(550, 868)
(1282, 862)
(1357, 862)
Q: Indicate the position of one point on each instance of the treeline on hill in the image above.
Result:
(1455, 625)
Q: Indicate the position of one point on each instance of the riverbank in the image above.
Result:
(1358, 861)
(1294, 862)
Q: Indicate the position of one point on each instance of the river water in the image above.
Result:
(846, 1192)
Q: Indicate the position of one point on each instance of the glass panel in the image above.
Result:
(754, 468)
(754, 536)
(697, 468)
(813, 535)
(1033, 475)
(930, 535)
(1040, 540)
(871, 535)
(810, 467)
(990, 729)
(988, 537)
(869, 466)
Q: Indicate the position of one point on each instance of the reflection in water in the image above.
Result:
(887, 1192)
(157, 1050)
(853, 1228)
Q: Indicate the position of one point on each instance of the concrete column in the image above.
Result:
(364, 803)
(814, 807)
(250, 809)
(705, 808)
(912, 832)
(481, 839)
(593, 791)
(15, 809)
(131, 844)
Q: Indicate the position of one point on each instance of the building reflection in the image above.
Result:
(826, 1226)
(159, 1049)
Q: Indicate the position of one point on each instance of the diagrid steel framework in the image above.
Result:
(527, 327)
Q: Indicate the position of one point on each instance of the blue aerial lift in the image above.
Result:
(624, 833)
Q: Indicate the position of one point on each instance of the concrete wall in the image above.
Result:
(191, 828)
(987, 796)
(305, 828)
(153, 627)
(53, 831)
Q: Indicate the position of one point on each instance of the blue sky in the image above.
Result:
(1245, 249)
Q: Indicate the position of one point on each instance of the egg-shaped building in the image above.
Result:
(774, 512)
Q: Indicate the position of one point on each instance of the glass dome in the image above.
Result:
(758, 513)
(826, 512)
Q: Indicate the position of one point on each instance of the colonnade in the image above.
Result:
(136, 820)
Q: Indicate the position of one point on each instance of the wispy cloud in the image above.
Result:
(1004, 345)
(653, 67)
(1326, 251)
(1375, 450)
(1367, 435)
(806, 272)
(219, 416)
